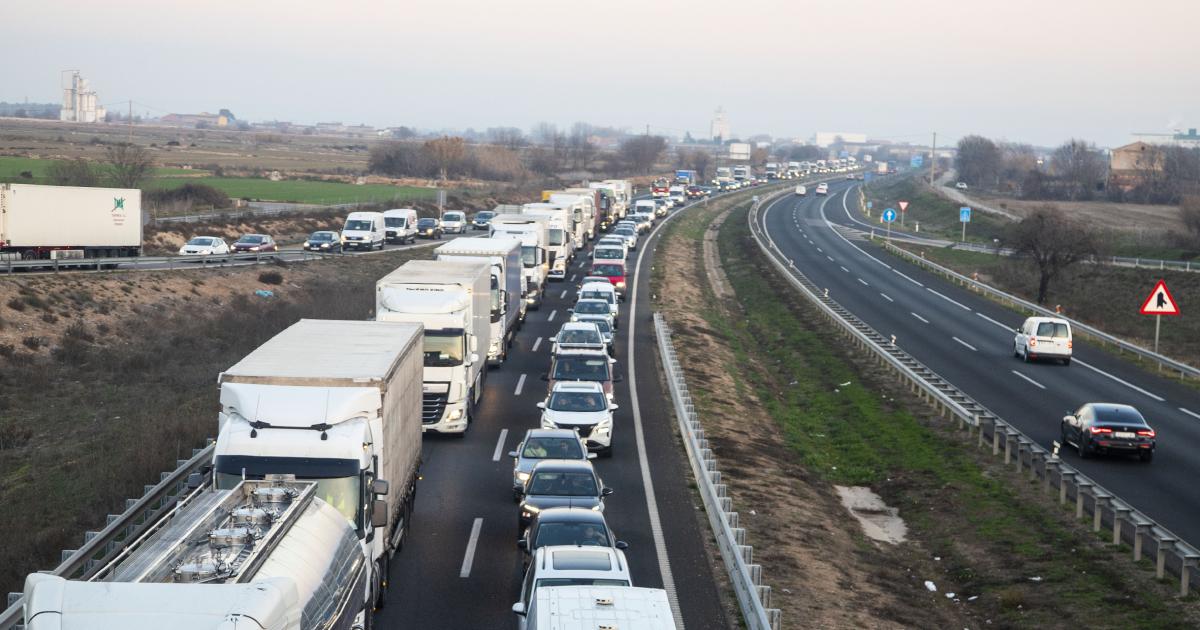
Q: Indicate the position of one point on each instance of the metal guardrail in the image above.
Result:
(1026, 456)
(186, 261)
(753, 596)
(1104, 338)
(139, 515)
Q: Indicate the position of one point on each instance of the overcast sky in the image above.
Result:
(1028, 70)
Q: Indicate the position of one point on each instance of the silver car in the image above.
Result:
(540, 444)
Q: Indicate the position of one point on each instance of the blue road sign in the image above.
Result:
(870, 204)
(888, 215)
(964, 214)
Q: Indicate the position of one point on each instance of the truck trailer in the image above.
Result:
(560, 231)
(53, 222)
(572, 607)
(534, 235)
(339, 403)
(503, 256)
(452, 301)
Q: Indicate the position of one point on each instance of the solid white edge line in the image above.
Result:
(1000, 324)
(973, 348)
(919, 317)
(500, 445)
(885, 296)
(1190, 413)
(829, 224)
(537, 342)
(949, 299)
(472, 542)
(552, 314)
(1028, 379)
(520, 385)
(656, 528)
(1119, 380)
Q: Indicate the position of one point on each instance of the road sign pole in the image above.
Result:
(1157, 323)
(964, 236)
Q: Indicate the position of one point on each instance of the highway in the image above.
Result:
(462, 568)
(969, 341)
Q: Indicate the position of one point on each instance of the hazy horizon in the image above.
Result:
(1024, 71)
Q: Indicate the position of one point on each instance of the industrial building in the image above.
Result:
(80, 103)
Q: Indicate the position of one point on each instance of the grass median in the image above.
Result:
(793, 411)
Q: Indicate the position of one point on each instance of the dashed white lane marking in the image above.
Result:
(1119, 380)
(919, 317)
(500, 445)
(885, 296)
(830, 258)
(537, 342)
(563, 295)
(552, 314)
(573, 277)
(469, 557)
(949, 299)
(973, 348)
(902, 275)
(820, 250)
(1028, 379)
(1000, 324)
(520, 386)
(1190, 413)
(864, 282)
(845, 269)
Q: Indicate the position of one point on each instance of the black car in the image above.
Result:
(324, 241)
(429, 228)
(481, 219)
(568, 526)
(1108, 428)
(561, 483)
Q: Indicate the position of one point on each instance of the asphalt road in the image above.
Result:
(969, 341)
(437, 583)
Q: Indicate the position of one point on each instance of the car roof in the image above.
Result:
(574, 352)
(551, 433)
(578, 325)
(564, 465)
(571, 515)
(598, 286)
(577, 302)
(578, 386)
(565, 560)
(1056, 320)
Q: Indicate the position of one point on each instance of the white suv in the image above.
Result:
(1044, 338)
(571, 566)
(582, 406)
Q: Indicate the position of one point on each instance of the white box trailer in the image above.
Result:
(503, 255)
(534, 233)
(591, 607)
(338, 402)
(560, 225)
(101, 222)
(452, 300)
(268, 555)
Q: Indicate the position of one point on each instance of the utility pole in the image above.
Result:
(130, 122)
(933, 159)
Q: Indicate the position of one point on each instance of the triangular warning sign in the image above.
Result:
(903, 205)
(1160, 301)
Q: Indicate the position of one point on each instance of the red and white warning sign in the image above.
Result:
(1160, 301)
(903, 205)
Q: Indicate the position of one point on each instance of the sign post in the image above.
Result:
(869, 205)
(903, 210)
(1159, 303)
(964, 217)
(887, 217)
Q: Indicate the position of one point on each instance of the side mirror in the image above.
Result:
(622, 545)
(1069, 419)
(541, 405)
(514, 454)
(379, 513)
(522, 544)
(379, 487)
(614, 407)
(606, 491)
(545, 377)
(591, 456)
(195, 480)
(519, 608)
(617, 378)
(474, 358)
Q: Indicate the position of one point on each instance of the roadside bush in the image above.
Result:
(13, 435)
(187, 195)
(33, 342)
(16, 304)
(270, 277)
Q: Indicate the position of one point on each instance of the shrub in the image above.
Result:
(16, 304)
(270, 277)
(33, 342)
(14, 436)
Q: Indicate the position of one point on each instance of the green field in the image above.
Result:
(12, 167)
(300, 191)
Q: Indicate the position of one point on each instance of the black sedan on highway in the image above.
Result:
(568, 526)
(324, 241)
(561, 483)
(429, 228)
(1108, 428)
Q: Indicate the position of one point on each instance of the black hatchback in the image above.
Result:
(1108, 428)
(568, 526)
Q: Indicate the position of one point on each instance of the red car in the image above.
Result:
(255, 243)
(614, 270)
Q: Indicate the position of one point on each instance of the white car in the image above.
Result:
(571, 566)
(822, 188)
(592, 307)
(801, 191)
(603, 291)
(609, 251)
(961, 185)
(584, 407)
(576, 335)
(629, 234)
(644, 221)
(1044, 338)
(454, 222)
(205, 246)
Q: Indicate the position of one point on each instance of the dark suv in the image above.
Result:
(1108, 428)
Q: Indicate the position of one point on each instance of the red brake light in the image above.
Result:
(1146, 433)
(1096, 430)
(1070, 344)
(1032, 341)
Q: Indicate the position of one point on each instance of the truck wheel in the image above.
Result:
(381, 589)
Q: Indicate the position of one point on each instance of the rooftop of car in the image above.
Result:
(564, 465)
(571, 515)
(597, 285)
(552, 433)
(576, 326)
(581, 352)
(581, 559)
(578, 386)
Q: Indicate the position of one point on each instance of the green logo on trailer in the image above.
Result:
(118, 203)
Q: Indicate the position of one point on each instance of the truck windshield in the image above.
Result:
(557, 237)
(338, 480)
(529, 256)
(360, 225)
(395, 222)
(443, 350)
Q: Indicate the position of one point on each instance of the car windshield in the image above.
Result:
(563, 484)
(452, 216)
(600, 323)
(579, 335)
(426, 223)
(360, 225)
(592, 307)
(321, 236)
(483, 217)
(443, 350)
(552, 448)
(1055, 330)
(624, 231)
(201, 241)
(577, 401)
(577, 368)
(251, 238)
(609, 253)
(572, 533)
(607, 296)
(395, 222)
(608, 270)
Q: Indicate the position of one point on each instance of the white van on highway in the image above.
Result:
(363, 230)
(400, 225)
(822, 188)
(1044, 338)
(801, 190)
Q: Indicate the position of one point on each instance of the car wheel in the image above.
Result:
(1062, 436)
(1067, 362)
(1146, 456)
(1025, 355)
(1016, 351)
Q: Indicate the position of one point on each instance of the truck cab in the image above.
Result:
(533, 233)
(560, 232)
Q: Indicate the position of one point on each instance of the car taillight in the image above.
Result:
(1070, 344)
(1146, 433)
(1032, 341)
(1099, 430)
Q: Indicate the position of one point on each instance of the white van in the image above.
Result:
(603, 291)
(363, 230)
(454, 222)
(400, 225)
(1044, 338)
(822, 188)
(801, 191)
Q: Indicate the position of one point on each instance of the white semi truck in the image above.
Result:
(624, 607)
(579, 212)
(262, 555)
(339, 403)
(503, 256)
(560, 227)
(52, 222)
(622, 194)
(534, 234)
(452, 300)
(591, 200)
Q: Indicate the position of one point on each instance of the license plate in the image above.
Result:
(1124, 435)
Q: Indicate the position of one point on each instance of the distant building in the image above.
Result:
(1190, 140)
(825, 138)
(80, 103)
(199, 121)
(1131, 165)
(719, 129)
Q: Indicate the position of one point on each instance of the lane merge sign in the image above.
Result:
(888, 215)
(964, 215)
(1160, 301)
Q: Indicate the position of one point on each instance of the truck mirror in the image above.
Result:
(472, 344)
(379, 487)
(605, 492)
(379, 513)
(622, 545)
(541, 405)
(195, 480)
(519, 608)
(474, 358)
(522, 544)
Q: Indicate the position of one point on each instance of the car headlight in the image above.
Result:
(253, 249)
(522, 477)
(530, 510)
(620, 285)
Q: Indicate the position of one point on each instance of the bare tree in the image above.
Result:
(1079, 167)
(1189, 212)
(580, 145)
(130, 165)
(642, 152)
(700, 161)
(510, 138)
(446, 153)
(759, 156)
(978, 161)
(1053, 243)
(77, 172)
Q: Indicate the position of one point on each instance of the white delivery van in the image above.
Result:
(400, 225)
(801, 190)
(1044, 338)
(363, 230)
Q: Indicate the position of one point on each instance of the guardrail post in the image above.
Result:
(1165, 544)
(1099, 500)
(1186, 562)
(1119, 512)
(1081, 488)
(1140, 529)
(995, 438)
(1064, 478)
(1051, 466)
